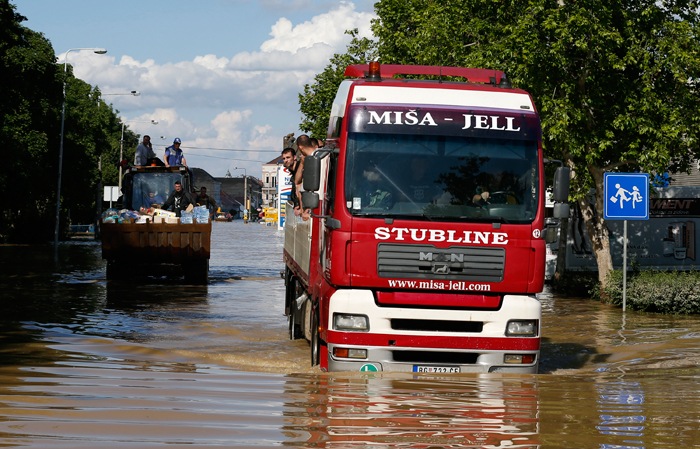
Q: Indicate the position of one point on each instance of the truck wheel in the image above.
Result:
(294, 325)
(315, 340)
(292, 292)
(288, 291)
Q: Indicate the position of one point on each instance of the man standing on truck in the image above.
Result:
(144, 152)
(178, 201)
(174, 155)
(145, 155)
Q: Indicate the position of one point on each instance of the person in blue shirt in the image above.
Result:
(153, 198)
(174, 155)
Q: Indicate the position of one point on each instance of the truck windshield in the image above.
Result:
(442, 177)
(152, 189)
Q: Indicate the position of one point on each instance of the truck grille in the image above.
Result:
(463, 263)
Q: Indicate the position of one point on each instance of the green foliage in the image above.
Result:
(316, 100)
(31, 104)
(673, 292)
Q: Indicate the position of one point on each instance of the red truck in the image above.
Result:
(425, 249)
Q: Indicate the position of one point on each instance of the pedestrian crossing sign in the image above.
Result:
(626, 196)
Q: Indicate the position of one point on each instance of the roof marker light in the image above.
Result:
(374, 73)
(505, 82)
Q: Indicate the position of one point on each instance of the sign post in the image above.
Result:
(626, 198)
(111, 194)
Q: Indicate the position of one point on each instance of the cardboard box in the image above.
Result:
(163, 213)
(172, 220)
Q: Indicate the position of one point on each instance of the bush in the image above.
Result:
(672, 292)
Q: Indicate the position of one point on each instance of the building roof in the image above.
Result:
(275, 161)
(202, 177)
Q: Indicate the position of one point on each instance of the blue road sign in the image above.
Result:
(626, 196)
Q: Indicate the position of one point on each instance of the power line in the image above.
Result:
(219, 149)
(226, 158)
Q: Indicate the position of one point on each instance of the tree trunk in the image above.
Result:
(597, 229)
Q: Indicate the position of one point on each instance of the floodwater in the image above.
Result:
(90, 364)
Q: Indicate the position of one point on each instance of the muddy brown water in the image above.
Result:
(90, 364)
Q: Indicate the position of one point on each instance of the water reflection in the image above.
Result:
(385, 410)
(620, 405)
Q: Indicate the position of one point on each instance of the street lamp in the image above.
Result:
(245, 190)
(99, 51)
(134, 93)
(121, 145)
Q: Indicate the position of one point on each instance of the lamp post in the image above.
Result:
(134, 93)
(99, 51)
(121, 145)
(245, 191)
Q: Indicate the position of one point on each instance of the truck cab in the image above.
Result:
(143, 187)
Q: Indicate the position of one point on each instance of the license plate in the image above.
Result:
(436, 369)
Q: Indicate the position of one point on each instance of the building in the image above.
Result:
(269, 181)
(687, 179)
(228, 192)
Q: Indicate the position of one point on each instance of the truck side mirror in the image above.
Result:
(312, 174)
(560, 188)
(551, 233)
(561, 210)
(309, 200)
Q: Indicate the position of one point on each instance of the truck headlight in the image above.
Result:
(349, 322)
(522, 328)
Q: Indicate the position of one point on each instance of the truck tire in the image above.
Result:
(294, 325)
(315, 342)
(292, 292)
(289, 286)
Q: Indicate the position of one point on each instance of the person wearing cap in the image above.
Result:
(174, 155)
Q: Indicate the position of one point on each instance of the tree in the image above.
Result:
(616, 82)
(316, 100)
(31, 104)
(29, 121)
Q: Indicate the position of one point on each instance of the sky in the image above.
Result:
(222, 75)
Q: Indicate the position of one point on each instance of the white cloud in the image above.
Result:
(246, 101)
